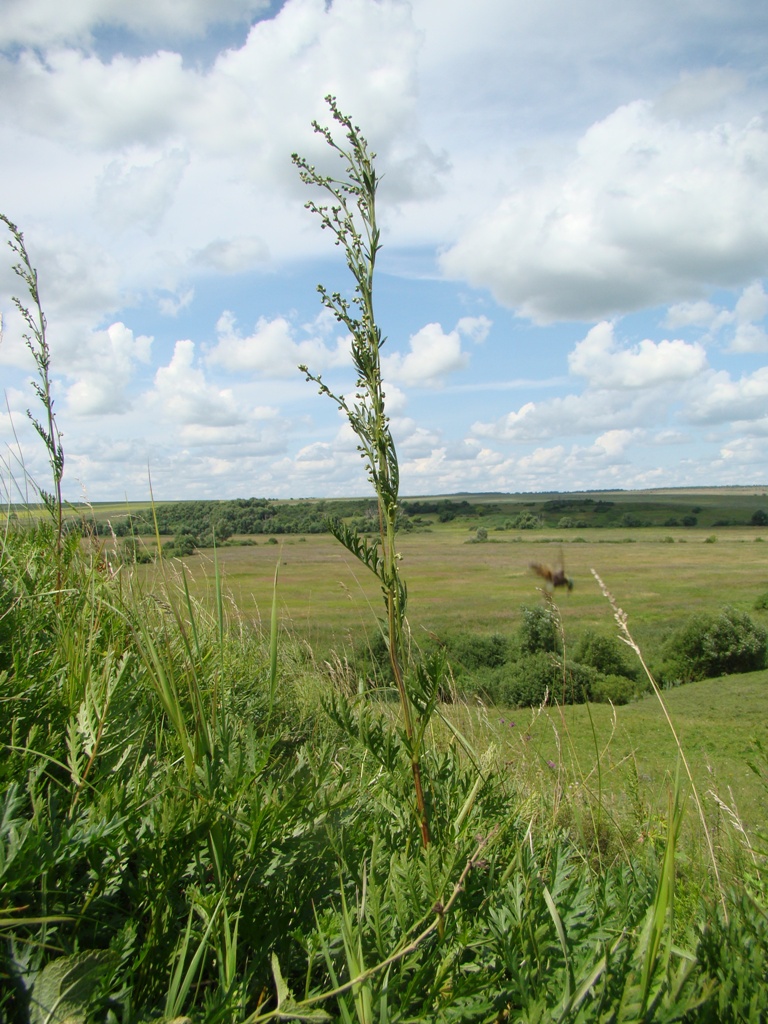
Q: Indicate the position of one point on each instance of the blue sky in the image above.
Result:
(574, 208)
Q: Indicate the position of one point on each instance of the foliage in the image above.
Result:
(709, 645)
(615, 689)
(524, 521)
(603, 652)
(538, 630)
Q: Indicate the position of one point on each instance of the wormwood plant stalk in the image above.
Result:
(351, 218)
(37, 343)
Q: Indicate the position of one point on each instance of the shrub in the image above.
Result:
(630, 519)
(527, 521)
(713, 645)
(182, 545)
(530, 680)
(538, 630)
(473, 651)
(604, 653)
(615, 689)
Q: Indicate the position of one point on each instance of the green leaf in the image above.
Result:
(61, 991)
(287, 1007)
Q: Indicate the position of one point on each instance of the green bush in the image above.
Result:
(712, 645)
(538, 630)
(605, 653)
(183, 544)
(615, 689)
(472, 650)
(531, 680)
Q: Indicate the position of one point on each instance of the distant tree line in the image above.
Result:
(195, 524)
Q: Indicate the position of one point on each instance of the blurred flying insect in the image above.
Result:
(554, 577)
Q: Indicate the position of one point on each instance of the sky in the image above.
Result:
(574, 216)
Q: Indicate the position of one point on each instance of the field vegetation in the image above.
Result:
(272, 782)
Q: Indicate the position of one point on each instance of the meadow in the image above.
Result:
(210, 813)
(658, 576)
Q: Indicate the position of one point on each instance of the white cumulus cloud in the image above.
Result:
(273, 349)
(433, 354)
(648, 211)
(605, 364)
(101, 366)
(182, 394)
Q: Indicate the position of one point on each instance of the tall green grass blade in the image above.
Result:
(273, 646)
(184, 974)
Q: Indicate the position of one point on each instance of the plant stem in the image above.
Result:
(37, 343)
(352, 220)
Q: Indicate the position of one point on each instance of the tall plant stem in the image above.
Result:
(351, 218)
(37, 343)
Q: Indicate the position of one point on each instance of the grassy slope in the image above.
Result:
(480, 587)
(154, 798)
(717, 721)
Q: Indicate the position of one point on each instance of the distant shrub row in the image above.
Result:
(528, 667)
(254, 516)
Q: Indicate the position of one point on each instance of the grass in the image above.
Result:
(718, 721)
(326, 598)
(328, 602)
(191, 828)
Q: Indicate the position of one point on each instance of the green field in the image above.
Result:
(326, 596)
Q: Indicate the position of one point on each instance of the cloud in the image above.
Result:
(692, 314)
(102, 366)
(45, 22)
(233, 255)
(743, 326)
(718, 398)
(253, 106)
(625, 389)
(273, 349)
(433, 354)
(750, 313)
(744, 451)
(182, 395)
(132, 194)
(605, 365)
(614, 442)
(571, 415)
(647, 212)
(101, 105)
(697, 93)
(412, 439)
(172, 305)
